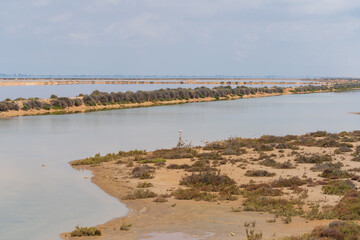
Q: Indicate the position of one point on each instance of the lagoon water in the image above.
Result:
(37, 203)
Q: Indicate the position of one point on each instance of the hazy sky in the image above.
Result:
(188, 37)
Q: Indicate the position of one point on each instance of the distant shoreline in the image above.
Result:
(195, 81)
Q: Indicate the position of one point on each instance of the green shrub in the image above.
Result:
(155, 160)
(85, 231)
(144, 185)
(333, 173)
(125, 227)
(323, 166)
(349, 206)
(193, 194)
(174, 153)
(280, 207)
(259, 173)
(268, 162)
(210, 181)
(177, 166)
(143, 172)
(140, 194)
(262, 189)
(97, 159)
(334, 231)
(288, 182)
(338, 187)
(313, 158)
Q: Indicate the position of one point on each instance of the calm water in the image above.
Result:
(40, 202)
(74, 90)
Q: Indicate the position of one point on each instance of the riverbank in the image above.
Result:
(299, 171)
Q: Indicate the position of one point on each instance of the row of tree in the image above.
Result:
(103, 98)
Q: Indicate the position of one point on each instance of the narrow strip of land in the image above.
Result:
(97, 100)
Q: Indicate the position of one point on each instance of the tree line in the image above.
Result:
(104, 98)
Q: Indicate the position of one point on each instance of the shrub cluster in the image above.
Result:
(85, 231)
(103, 98)
(334, 231)
(288, 182)
(338, 187)
(259, 173)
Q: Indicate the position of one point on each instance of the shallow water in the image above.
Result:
(40, 202)
(44, 91)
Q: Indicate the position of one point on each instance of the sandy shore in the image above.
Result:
(178, 219)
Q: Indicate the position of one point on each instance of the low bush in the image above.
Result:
(338, 187)
(323, 166)
(155, 160)
(262, 189)
(268, 162)
(8, 106)
(177, 166)
(160, 199)
(193, 194)
(85, 231)
(97, 159)
(201, 166)
(143, 172)
(125, 227)
(333, 173)
(313, 158)
(174, 153)
(263, 148)
(140, 194)
(209, 156)
(288, 182)
(210, 181)
(144, 185)
(334, 231)
(349, 206)
(259, 173)
(280, 207)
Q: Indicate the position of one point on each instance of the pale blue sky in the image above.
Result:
(188, 37)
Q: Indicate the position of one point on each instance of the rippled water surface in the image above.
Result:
(40, 202)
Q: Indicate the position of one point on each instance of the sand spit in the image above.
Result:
(304, 157)
(83, 108)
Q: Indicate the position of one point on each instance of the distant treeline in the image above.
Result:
(103, 98)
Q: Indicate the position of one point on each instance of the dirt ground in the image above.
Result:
(189, 219)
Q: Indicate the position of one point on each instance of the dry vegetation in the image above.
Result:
(312, 176)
